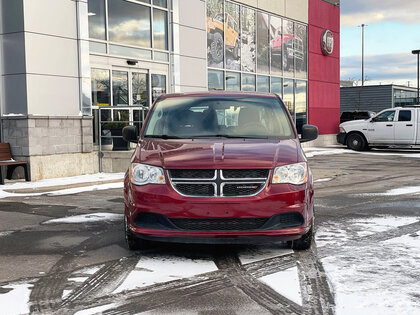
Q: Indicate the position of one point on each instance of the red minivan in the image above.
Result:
(219, 167)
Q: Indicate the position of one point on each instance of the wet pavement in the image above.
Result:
(66, 253)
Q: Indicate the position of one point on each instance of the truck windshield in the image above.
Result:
(231, 117)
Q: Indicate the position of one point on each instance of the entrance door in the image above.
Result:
(405, 127)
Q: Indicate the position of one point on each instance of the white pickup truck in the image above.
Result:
(393, 127)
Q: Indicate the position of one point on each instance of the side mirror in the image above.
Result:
(309, 133)
(130, 134)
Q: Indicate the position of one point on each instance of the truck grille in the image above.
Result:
(218, 183)
(219, 224)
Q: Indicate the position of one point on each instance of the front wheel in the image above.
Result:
(132, 241)
(302, 243)
(356, 142)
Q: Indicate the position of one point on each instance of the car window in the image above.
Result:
(404, 115)
(385, 116)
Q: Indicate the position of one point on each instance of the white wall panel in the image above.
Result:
(192, 42)
(193, 72)
(192, 13)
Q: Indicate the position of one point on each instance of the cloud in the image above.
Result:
(354, 12)
(386, 68)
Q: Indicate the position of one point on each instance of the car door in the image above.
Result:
(404, 130)
(381, 128)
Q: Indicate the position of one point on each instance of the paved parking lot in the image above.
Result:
(66, 253)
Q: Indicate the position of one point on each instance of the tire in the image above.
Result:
(304, 242)
(133, 242)
(356, 142)
(216, 48)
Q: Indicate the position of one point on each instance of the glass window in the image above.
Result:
(140, 88)
(248, 82)
(194, 117)
(300, 105)
(232, 43)
(277, 86)
(288, 60)
(263, 83)
(129, 23)
(160, 56)
(404, 115)
(248, 39)
(160, 29)
(276, 44)
(161, 3)
(130, 52)
(215, 33)
(262, 43)
(96, 16)
(385, 116)
(100, 87)
(215, 80)
(158, 86)
(288, 96)
(97, 47)
(119, 88)
(300, 49)
(233, 81)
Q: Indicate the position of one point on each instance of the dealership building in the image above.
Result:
(69, 68)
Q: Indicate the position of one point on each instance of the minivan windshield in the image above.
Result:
(221, 116)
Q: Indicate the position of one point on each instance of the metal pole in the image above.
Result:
(363, 54)
(100, 141)
(418, 79)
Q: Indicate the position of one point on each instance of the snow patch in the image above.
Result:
(78, 279)
(321, 180)
(5, 233)
(263, 253)
(96, 310)
(409, 190)
(16, 301)
(86, 218)
(286, 283)
(152, 270)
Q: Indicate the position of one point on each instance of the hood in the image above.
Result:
(353, 122)
(222, 153)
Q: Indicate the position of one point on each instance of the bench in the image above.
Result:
(7, 160)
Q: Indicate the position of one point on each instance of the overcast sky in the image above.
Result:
(393, 31)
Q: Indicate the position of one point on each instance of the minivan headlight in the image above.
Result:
(142, 174)
(295, 174)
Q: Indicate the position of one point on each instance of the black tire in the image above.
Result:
(133, 242)
(216, 48)
(356, 142)
(304, 242)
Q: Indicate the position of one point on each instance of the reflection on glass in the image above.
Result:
(139, 85)
(232, 43)
(129, 23)
(300, 50)
(119, 88)
(233, 81)
(215, 33)
(300, 101)
(130, 52)
(97, 47)
(288, 48)
(100, 87)
(288, 96)
(105, 116)
(248, 82)
(160, 29)
(248, 39)
(262, 43)
(96, 16)
(120, 117)
(161, 3)
(160, 56)
(263, 83)
(276, 44)
(158, 86)
(215, 80)
(276, 86)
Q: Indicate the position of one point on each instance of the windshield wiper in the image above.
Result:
(163, 137)
(230, 136)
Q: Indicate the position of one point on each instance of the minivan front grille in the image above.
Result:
(236, 224)
(218, 183)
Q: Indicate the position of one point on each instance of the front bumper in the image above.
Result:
(163, 200)
(341, 138)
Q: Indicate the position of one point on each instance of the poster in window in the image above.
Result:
(276, 44)
(301, 50)
(215, 33)
(248, 39)
(288, 48)
(262, 43)
(232, 36)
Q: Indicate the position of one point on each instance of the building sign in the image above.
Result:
(327, 42)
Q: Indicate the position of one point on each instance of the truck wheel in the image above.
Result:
(304, 242)
(132, 241)
(216, 49)
(356, 142)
